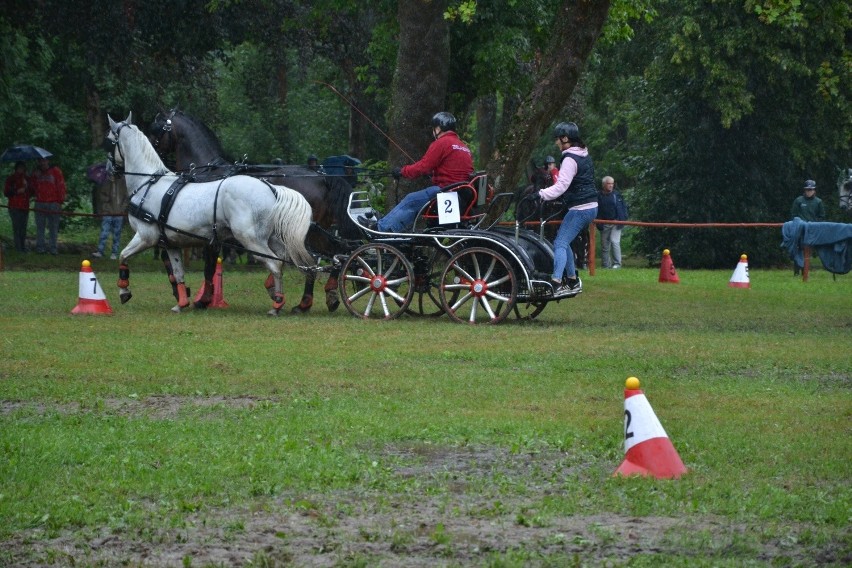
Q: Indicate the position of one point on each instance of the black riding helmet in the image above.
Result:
(567, 130)
(445, 121)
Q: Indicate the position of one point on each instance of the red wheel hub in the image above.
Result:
(479, 287)
(378, 283)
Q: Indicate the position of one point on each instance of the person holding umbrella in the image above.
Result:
(48, 185)
(19, 193)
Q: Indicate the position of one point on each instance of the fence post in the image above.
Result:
(592, 227)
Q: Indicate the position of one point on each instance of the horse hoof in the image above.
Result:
(176, 309)
(300, 310)
(199, 305)
(125, 297)
(273, 313)
(333, 305)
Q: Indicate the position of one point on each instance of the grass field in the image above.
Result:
(229, 438)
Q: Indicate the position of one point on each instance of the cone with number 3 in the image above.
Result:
(647, 448)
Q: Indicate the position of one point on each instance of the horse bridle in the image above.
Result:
(164, 131)
(119, 170)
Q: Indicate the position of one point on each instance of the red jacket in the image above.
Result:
(448, 160)
(48, 186)
(18, 191)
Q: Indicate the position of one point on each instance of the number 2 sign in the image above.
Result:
(448, 208)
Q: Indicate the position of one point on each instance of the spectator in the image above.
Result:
(48, 185)
(808, 207)
(611, 206)
(447, 159)
(113, 204)
(550, 164)
(576, 186)
(313, 162)
(19, 193)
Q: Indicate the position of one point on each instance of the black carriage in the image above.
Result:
(471, 269)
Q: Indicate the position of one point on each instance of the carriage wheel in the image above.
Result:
(375, 282)
(529, 311)
(428, 269)
(478, 286)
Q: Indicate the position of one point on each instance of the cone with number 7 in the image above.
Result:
(647, 449)
(91, 299)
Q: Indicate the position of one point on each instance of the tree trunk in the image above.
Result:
(486, 120)
(420, 84)
(575, 31)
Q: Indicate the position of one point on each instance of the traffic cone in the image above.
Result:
(667, 269)
(647, 449)
(740, 277)
(218, 301)
(91, 299)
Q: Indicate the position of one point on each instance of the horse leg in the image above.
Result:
(205, 297)
(307, 296)
(174, 268)
(135, 245)
(332, 298)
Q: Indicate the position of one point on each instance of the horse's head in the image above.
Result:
(115, 156)
(130, 145)
(161, 133)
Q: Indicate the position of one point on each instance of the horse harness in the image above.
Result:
(168, 200)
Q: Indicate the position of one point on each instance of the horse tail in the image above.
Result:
(291, 217)
(338, 199)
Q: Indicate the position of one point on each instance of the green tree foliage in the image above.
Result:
(717, 112)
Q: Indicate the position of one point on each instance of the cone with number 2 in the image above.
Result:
(91, 299)
(647, 448)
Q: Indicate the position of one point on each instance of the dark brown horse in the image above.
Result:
(195, 147)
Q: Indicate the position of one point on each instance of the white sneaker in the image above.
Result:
(113, 256)
(97, 254)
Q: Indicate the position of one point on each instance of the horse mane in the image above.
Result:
(147, 152)
(195, 132)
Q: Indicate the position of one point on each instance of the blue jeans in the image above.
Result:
(47, 215)
(402, 216)
(111, 224)
(563, 259)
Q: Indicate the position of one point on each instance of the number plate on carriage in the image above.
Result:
(448, 208)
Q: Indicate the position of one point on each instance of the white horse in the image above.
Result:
(270, 222)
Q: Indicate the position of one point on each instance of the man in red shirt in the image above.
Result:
(48, 185)
(447, 159)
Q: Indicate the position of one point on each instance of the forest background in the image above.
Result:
(702, 110)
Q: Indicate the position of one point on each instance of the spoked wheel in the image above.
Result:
(529, 311)
(375, 282)
(429, 264)
(478, 286)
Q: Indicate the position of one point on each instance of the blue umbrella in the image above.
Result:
(23, 153)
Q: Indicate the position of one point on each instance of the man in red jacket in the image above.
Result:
(447, 159)
(48, 185)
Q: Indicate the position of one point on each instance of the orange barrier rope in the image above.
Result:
(65, 213)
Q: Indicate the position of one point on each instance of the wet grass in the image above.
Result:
(136, 422)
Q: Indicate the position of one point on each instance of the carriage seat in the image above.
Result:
(472, 193)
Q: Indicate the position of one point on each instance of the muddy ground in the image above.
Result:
(445, 524)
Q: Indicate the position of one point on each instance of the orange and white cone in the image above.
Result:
(218, 300)
(647, 449)
(91, 299)
(739, 279)
(667, 269)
